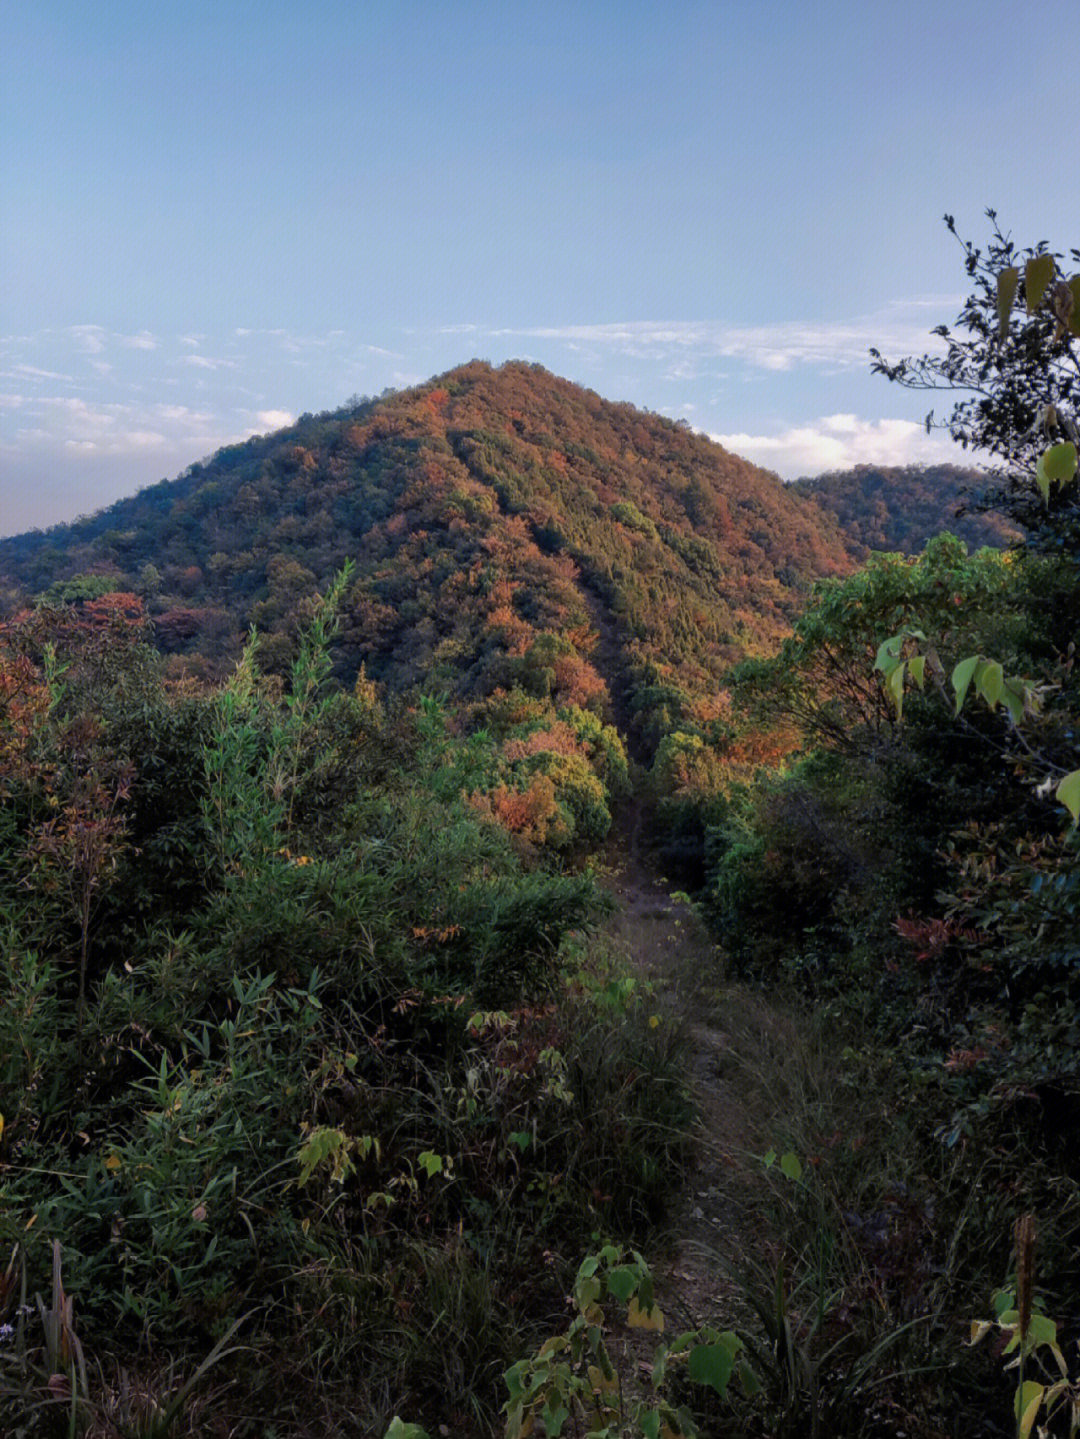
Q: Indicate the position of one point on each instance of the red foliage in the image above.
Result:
(933, 936)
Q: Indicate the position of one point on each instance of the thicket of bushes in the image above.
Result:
(300, 1029)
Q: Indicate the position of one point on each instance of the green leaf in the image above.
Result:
(622, 1282)
(400, 1430)
(751, 1384)
(430, 1162)
(649, 1420)
(894, 684)
(961, 678)
(989, 682)
(1041, 1330)
(791, 1166)
(1056, 466)
(1068, 792)
(521, 1137)
(712, 1364)
(1029, 1398)
(1007, 281)
(1012, 697)
(888, 654)
(1038, 272)
(1042, 479)
(769, 1158)
(917, 669)
(554, 1417)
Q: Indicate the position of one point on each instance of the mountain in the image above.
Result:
(900, 509)
(507, 527)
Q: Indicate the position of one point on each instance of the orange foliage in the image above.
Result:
(558, 738)
(530, 814)
(576, 682)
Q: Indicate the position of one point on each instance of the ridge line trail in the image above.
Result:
(666, 943)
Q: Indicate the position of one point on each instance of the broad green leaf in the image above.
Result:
(554, 1417)
(430, 1162)
(622, 1282)
(989, 682)
(1041, 1330)
(712, 1364)
(1012, 696)
(1029, 1398)
(649, 1420)
(521, 1137)
(961, 678)
(1057, 465)
(888, 654)
(769, 1158)
(588, 1266)
(1068, 792)
(587, 1291)
(917, 669)
(1003, 1301)
(894, 684)
(791, 1165)
(1038, 272)
(1007, 282)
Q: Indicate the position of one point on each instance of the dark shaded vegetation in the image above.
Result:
(899, 509)
(301, 1029)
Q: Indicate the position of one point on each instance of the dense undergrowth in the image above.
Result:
(304, 1043)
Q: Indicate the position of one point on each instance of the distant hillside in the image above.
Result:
(900, 509)
(508, 527)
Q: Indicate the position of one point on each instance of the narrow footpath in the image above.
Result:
(664, 940)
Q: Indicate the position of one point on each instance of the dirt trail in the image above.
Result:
(664, 940)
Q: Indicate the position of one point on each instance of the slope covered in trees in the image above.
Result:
(498, 518)
(899, 509)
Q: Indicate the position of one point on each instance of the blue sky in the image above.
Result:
(215, 216)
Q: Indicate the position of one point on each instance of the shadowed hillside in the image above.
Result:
(900, 509)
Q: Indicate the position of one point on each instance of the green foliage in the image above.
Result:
(900, 510)
(278, 1108)
(574, 1378)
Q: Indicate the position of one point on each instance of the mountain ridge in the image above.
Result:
(489, 512)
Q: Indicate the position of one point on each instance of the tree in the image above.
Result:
(1013, 352)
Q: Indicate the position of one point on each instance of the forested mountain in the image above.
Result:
(893, 508)
(503, 522)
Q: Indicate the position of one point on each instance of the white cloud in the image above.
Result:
(31, 372)
(144, 340)
(275, 419)
(89, 338)
(900, 327)
(838, 442)
(204, 362)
